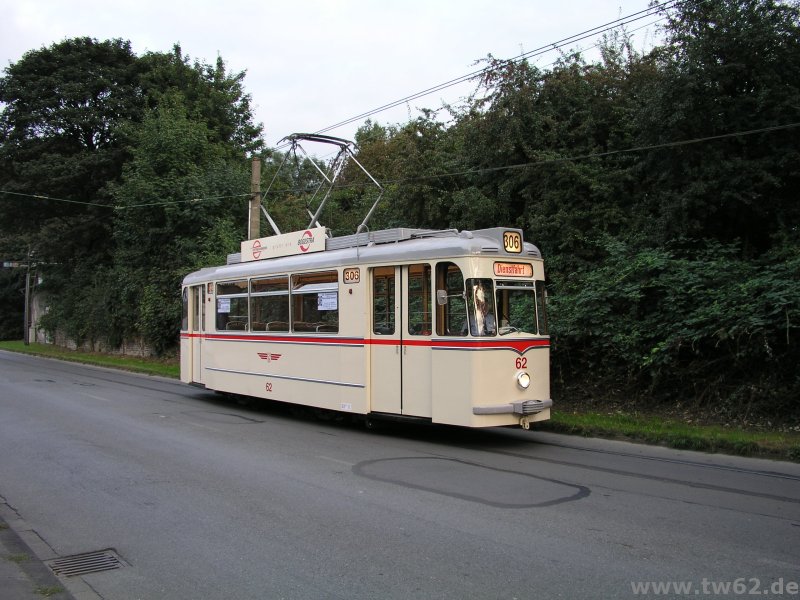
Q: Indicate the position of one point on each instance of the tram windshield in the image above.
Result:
(521, 307)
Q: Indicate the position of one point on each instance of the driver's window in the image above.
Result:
(480, 301)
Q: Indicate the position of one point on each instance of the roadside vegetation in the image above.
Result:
(662, 187)
(673, 433)
(164, 366)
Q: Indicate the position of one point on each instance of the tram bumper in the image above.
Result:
(523, 408)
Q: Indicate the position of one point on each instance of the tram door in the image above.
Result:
(196, 327)
(400, 355)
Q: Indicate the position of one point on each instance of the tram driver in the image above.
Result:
(481, 314)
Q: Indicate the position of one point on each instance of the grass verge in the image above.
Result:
(637, 428)
(676, 434)
(18, 558)
(149, 366)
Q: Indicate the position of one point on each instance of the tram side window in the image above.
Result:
(451, 311)
(383, 300)
(269, 304)
(315, 302)
(232, 306)
(419, 300)
(185, 314)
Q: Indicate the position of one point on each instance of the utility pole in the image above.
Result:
(18, 264)
(254, 220)
(27, 335)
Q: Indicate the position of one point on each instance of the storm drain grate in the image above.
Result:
(84, 564)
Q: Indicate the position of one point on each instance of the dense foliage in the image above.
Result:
(120, 146)
(663, 190)
(661, 187)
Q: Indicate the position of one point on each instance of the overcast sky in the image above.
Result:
(313, 63)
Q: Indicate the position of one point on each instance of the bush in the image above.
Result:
(689, 320)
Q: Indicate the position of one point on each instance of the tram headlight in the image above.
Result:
(523, 380)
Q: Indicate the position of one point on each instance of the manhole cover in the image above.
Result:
(83, 564)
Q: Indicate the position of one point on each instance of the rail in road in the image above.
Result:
(203, 498)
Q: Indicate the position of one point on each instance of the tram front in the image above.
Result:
(498, 372)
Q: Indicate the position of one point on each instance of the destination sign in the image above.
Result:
(502, 269)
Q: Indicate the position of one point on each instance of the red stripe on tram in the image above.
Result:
(519, 346)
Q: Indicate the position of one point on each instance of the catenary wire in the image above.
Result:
(562, 159)
(633, 17)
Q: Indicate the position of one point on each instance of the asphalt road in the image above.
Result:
(202, 498)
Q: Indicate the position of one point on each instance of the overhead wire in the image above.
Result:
(187, 201)
(41, 197)
(563, 159)
(118, 207)
(464, 79)
(534, 163)
(673, 144)
(589, 33)
(592, 32)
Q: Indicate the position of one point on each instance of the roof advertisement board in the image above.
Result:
(287, 244)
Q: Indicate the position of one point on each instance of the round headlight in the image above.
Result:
(523, 380)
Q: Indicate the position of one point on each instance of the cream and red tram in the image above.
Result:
(443, 326)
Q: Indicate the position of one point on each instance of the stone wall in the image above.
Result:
(39, 308)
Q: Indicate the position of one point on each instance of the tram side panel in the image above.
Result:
(186, 358)
(321, 373)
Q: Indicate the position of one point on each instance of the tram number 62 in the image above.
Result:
(512, 242)
(522, 363)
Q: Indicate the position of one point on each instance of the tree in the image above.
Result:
(177, 188)
(211, 95)
(60, 136)
(419, 163)
(727, 66)
(103, 131)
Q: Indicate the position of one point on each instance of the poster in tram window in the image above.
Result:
(328, 301)
(223, 305)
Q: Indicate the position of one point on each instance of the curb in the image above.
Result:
(24, 575)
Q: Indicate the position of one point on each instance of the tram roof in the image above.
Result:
(385, 246)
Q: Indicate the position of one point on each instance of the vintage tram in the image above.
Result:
(439, 326)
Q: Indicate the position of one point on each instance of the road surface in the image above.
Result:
(202, 498)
